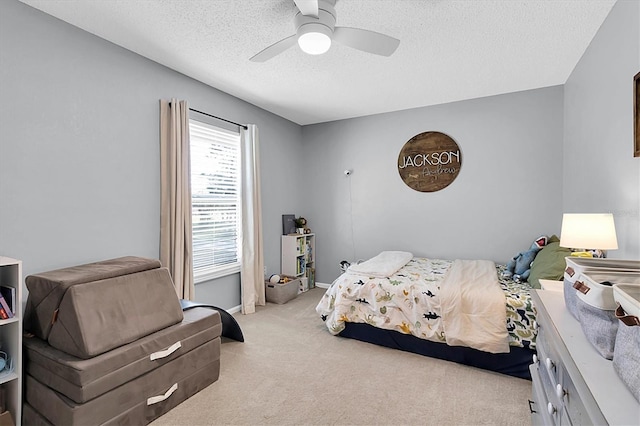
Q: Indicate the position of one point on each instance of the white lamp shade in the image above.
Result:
(588, 231)
(314, 39)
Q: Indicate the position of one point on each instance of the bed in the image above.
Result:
(409, 307)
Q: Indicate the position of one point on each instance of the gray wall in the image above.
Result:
(508, 191)
(79, 149)
(79, 158)
(600, 172)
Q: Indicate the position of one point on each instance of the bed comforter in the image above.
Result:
(409, 301)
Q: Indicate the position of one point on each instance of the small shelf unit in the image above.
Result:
(298, 258)
(11, 340)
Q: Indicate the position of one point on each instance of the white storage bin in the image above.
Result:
(578, 265)
(626, 355)
(596, 307)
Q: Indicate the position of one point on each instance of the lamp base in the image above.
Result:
(599, 254)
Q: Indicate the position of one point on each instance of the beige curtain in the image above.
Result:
(252, 272)
(175, 196)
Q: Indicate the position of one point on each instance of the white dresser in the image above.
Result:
(572, 383)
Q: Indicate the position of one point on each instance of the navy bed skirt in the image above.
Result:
(515, 363)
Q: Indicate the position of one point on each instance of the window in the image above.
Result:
(215, 201)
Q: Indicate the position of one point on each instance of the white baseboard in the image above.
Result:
(239, 307)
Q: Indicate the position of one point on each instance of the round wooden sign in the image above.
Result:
(429, 162)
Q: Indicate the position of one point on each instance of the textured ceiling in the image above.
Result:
(449, 50)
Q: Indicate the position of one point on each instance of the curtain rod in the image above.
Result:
(244, 126)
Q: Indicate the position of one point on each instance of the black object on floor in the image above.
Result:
(230, 327)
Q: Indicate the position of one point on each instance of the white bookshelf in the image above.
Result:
(298, 257)
(11, 339)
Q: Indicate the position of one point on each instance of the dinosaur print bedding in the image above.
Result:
(409, 302)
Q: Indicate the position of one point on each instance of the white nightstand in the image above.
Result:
(551, 285)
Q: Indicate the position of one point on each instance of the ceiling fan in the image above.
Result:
(315, 29)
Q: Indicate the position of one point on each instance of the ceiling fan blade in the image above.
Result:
(275, 49)
(365, 40)
(307, 7)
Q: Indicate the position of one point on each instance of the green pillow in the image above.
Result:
(549, 263)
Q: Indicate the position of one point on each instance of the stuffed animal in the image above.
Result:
(344, 265)
(519, 267)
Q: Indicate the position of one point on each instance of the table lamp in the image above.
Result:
(588, 234)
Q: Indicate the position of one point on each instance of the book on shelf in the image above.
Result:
(301, 266)
(5, 311)
(308, 253)
(311, 274)
(9, 294)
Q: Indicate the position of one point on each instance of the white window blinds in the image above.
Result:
(215, 200)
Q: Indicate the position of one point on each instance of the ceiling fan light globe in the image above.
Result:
(314, 38)
(314, 43)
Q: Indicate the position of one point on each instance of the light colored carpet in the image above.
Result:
(291, 371)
